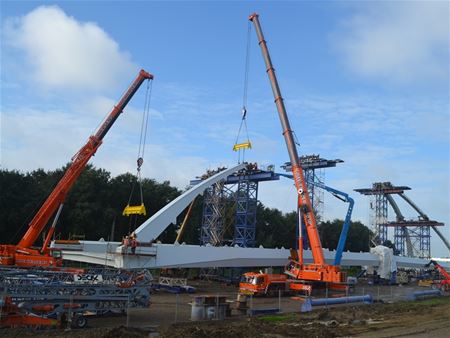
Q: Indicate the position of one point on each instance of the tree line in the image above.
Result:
(93, 210)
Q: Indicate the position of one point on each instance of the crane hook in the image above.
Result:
(139, 161)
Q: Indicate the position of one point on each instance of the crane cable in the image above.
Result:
(245, 145)
(135, 210)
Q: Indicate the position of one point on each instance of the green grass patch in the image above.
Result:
(434, 301)
(278, 318)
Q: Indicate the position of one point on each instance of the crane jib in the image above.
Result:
(300, 184)
(57, 196)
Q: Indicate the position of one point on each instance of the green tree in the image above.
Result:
(97, 200)
(90, 208)
(358, 236)
(275, 229)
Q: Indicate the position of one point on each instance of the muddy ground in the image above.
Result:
(429, 318)
(169, 316)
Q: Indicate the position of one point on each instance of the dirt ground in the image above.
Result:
(429, 318)
(169, 316)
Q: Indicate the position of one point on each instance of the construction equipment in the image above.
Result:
(266, 284)
(319, 271)
(173, 285)
(139, 209)
(180, 231)
(44, 297)
(11, 315)
(345, 227)
(259, 283)
(443, 284)
(134, 210)
(23, 254)
(425, 283)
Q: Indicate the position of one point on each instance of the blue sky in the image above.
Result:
(367, 82)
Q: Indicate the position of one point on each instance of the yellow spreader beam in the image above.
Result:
(245, 145)
(134, 210)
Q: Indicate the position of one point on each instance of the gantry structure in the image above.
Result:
(411, 237)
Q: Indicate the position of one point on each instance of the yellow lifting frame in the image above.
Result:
(134, 210)
(245, 145)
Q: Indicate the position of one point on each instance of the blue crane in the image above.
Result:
(345, 198)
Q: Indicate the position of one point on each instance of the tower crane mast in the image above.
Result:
(23, 254)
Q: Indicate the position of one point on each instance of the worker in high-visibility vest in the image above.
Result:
(133, 243)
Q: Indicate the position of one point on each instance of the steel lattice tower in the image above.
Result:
(379, 206)
(411, 238)
(212, 228)
(399, 241)
(245, 219)
(418, 234)
(419, 237)
(217, 200)
(316, 195)
(380, 219)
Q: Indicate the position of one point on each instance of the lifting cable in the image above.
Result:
(140, 209)
(240, 147)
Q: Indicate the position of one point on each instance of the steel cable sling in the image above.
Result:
(140, 209)
(242, 146)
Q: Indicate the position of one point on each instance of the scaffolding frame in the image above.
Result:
(380, 219)
(411, 238)
(218, 198)
(419, 233)
(245, 217)
(214, 204)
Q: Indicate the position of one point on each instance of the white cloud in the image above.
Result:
(61, 52)
(33, 138)
(398, 42)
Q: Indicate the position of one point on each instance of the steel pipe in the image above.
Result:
(310, 302)
(422, 294)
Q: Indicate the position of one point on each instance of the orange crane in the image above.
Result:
(318, 271)
(443, 284)
(23, 254)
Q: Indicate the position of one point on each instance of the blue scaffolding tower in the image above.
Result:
(214, 203)
(381, 216)
(245, 216)
(241, 190)
(246, 201)
(418, 233)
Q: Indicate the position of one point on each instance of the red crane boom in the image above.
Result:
(319, 271)
(23, 254)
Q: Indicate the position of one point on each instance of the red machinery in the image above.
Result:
(12, 316)
(23, 254)
(258, 283)
(319, 270)
(443, 284)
